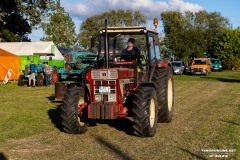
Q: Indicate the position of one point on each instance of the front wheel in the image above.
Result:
(73, 121)
(145, 112)
(40, 80)
(21, 81)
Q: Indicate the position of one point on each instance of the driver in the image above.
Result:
(131, 53)
(131, 50)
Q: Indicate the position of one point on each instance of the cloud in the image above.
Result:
(151, 8)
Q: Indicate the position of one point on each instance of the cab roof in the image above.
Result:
(201, 59)
(128, 29)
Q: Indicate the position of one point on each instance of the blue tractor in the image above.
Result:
(76, 66)
(23, 79)
(74, 72)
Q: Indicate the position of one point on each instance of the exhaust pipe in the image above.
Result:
(106, 45)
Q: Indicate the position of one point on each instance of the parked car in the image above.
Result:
(178, 67)
(216, 64)
(201, 66)
(187, 69)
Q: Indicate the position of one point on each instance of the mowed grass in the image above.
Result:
(206, 117)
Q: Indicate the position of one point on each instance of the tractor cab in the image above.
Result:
(113, 50)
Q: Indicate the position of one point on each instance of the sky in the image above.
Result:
(81, 9)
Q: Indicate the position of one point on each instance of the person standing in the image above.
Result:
(32, 74)
(48, 73)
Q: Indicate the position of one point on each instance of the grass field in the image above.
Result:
(206, 121)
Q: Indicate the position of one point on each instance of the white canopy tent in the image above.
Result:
(31, 48)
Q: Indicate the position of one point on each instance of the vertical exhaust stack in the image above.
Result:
(106, 45)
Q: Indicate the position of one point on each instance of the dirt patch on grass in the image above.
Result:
(28, 145)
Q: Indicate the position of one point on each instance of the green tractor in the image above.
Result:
(123, 85)
(23, 79)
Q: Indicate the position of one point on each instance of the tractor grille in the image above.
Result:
(105, 90)
(104, 74)
(197, 69)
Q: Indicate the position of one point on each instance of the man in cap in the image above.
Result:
(131, 50)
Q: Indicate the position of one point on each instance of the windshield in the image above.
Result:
(119, 43)
(215, 61)
(199, 62)
(176, 64)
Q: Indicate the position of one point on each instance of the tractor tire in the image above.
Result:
(74, 122)
(21, 81)
(39, 80)
(165, 95)
(145, 112)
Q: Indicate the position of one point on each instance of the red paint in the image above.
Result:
(88, 76)
(54, 77)
(80, 108)
(163, 63)
(41, 81)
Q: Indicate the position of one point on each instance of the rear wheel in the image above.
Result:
(21, 81)
(166, 95)
(145, 112)
(40, 80)
(73, 121)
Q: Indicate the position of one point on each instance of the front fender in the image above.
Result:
(164, 63)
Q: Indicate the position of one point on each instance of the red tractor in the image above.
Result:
(138, 85)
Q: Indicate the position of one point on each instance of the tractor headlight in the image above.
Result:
(98, 97)
(112, 97)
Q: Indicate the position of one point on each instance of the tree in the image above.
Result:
(90, 27)
(176, 30)
(36, 11)
(19, 17)
(227, 47)
(192, 34)
(13, 25)
(211, 24)
(60, 29)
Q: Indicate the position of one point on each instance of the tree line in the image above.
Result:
(201, 34)
(185, 35)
